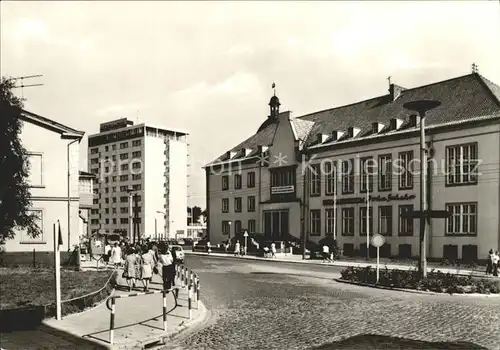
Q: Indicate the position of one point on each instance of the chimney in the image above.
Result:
(337, 135)
(396, 123)
(321, 137)
(395, 91)
(353, 132)
(414, 120)
(377, 127)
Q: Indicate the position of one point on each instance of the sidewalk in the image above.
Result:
(138, 323)
(343, 263)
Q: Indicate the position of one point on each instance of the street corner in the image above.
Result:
(201, 316)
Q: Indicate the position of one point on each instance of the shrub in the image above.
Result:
(436, 281)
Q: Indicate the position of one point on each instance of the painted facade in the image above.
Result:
(327, 151)
(54, 157)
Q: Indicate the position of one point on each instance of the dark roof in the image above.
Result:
(462, 98)
(49, 124)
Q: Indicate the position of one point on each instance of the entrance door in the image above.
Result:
(276, 223)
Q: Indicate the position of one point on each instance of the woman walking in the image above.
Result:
(147, 263)
(130, 263)
(489, 263)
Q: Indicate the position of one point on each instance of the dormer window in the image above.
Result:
(337, 135)
(377, 127)
(353, 132)
(321, 138)
(414, 120)
(396, 123)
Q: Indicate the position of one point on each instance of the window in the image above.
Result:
(405, 223)
(225, 182)
(113, 157)
(251, 226)
(315, 178)
(136, 143)
(385, 220)
(123, 220)
(405, 170)
(113, 147)
(123, 145)
(136, 165)
(251, 179)
(461, 164)
(106, 148)
(114, 221)
(348, 176)
(404, 251)
(237, 181)
(94, 222)
(107, 180)
(35, 178)
(25, 237)
(385, 172)
(251, 203)
(114, 212)
(136, 154)
(124, 210)
(225, 205)
(106, 200)
(237, 205)
(124, 167)
(469, 252)
(330, 221)
(124, 156)
(281, 177)
(123, 188)
(106, 190)
(137, 187)
(348, 249)
(450, 252)
(362, 221)
(366, 167)
(114, 178)
(123, 177)
(94, 150)
(347, 221)
(94, 161)
(237, 226)
(315, 225)
(136, 176)
(226, 228)
(106, 221)
(463, 220)
(123, 199)
(330, 178)
(106, 210)
(114, 199)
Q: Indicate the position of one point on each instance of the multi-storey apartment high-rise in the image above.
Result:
(145, 162)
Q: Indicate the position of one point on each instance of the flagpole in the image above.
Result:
(57, 270)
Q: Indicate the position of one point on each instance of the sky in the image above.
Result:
(207, 67)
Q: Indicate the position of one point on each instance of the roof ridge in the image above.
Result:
(486, 83)
(381, 96)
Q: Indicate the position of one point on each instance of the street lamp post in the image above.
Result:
(421, 107)
(130, 192)
(229, 233)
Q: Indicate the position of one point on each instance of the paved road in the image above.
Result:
(269, 305)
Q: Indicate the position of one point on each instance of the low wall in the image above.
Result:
(37, 259)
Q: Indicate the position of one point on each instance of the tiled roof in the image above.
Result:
(462, 98)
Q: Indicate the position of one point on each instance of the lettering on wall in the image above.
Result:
(361, 200)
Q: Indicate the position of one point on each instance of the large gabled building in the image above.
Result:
(258, 185)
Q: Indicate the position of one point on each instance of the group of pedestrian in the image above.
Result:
(493, 263)
(142, 260)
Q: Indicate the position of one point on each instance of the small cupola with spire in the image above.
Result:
(274, 104)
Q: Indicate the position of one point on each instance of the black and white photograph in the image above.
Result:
(223, 175)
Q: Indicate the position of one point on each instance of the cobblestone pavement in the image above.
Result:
(269, 305)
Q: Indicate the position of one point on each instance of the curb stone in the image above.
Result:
(414, 291)
(306, 262)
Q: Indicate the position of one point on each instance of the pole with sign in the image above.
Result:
(246, 239)
(377, 242)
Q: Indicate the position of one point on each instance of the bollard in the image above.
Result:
(195, 288)
(164, 311)
(190, 311)
(112, 322)
(197, 293)
(186, 277)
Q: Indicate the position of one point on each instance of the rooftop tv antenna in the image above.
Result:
(20, 82)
